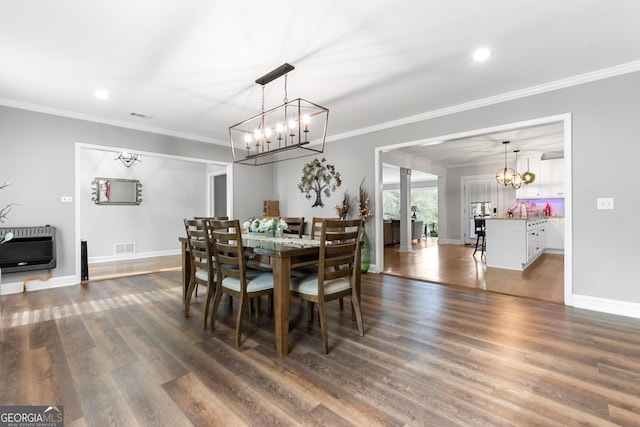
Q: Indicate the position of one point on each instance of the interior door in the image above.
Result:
(218, 195)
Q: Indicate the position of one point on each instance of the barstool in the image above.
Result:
(480, 230)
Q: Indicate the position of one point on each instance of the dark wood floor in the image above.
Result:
(120, 352)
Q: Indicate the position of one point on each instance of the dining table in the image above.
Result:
(282, 254)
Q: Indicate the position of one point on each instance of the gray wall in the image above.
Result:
(605, 150)
(171, 190)
(38, 158)
(349, 159)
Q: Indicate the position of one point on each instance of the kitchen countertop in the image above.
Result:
(518, 218)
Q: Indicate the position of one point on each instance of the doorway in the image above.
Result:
(449, 209)
(166, 199)
(218, 194)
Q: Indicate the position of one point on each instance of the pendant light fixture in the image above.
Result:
(281, 133)
(128, 159)
(516, 181)
(505, 175)
(528, 177)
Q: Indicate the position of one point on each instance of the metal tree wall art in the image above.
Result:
(320, 177)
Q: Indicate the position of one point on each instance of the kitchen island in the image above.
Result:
(515, 243)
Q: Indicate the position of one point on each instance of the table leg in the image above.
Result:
(186, 270)
(358, 275)
(281, 267)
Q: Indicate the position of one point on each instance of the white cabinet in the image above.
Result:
(552, 178)
(514, 243)
(529, 191)
(549, 182)
(536, 238)
(555, 234)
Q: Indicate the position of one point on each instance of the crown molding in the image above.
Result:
(492, 100)
(118, 123)
(509, 96)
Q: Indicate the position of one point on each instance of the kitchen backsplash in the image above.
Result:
(536, 207)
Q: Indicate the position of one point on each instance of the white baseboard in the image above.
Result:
(36, 285)
(450, 241)
(129, 256)
(622, 308)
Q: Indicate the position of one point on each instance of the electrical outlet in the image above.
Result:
(605, 202)
(66, 199)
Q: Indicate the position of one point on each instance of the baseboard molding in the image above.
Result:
(37, 285)
(373, 268)
(605, 305)
(554, 251)
(450, 241)
(127, 257)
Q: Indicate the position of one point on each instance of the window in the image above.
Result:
(426, 199)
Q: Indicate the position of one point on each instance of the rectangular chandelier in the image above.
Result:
(294, 129)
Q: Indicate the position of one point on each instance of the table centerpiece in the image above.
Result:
(269, 226)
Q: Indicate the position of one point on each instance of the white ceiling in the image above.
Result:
(190, 65)
(545, 141)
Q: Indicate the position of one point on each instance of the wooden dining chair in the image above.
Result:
(295, 225)
(316, 228)
(336, 274)
(233, 276)
(202, 264)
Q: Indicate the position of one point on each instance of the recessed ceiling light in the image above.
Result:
(481, 54)
(101, 94)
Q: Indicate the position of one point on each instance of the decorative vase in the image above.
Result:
(365, 254)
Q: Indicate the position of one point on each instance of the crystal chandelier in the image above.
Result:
(505, 175)
(282, 133)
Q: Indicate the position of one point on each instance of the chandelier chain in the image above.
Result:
(286, 99)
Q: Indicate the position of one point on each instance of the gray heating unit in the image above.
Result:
(31, 248)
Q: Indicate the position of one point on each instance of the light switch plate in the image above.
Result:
(66, 199)
(605, 202)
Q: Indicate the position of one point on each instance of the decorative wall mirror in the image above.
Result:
(114, 191)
